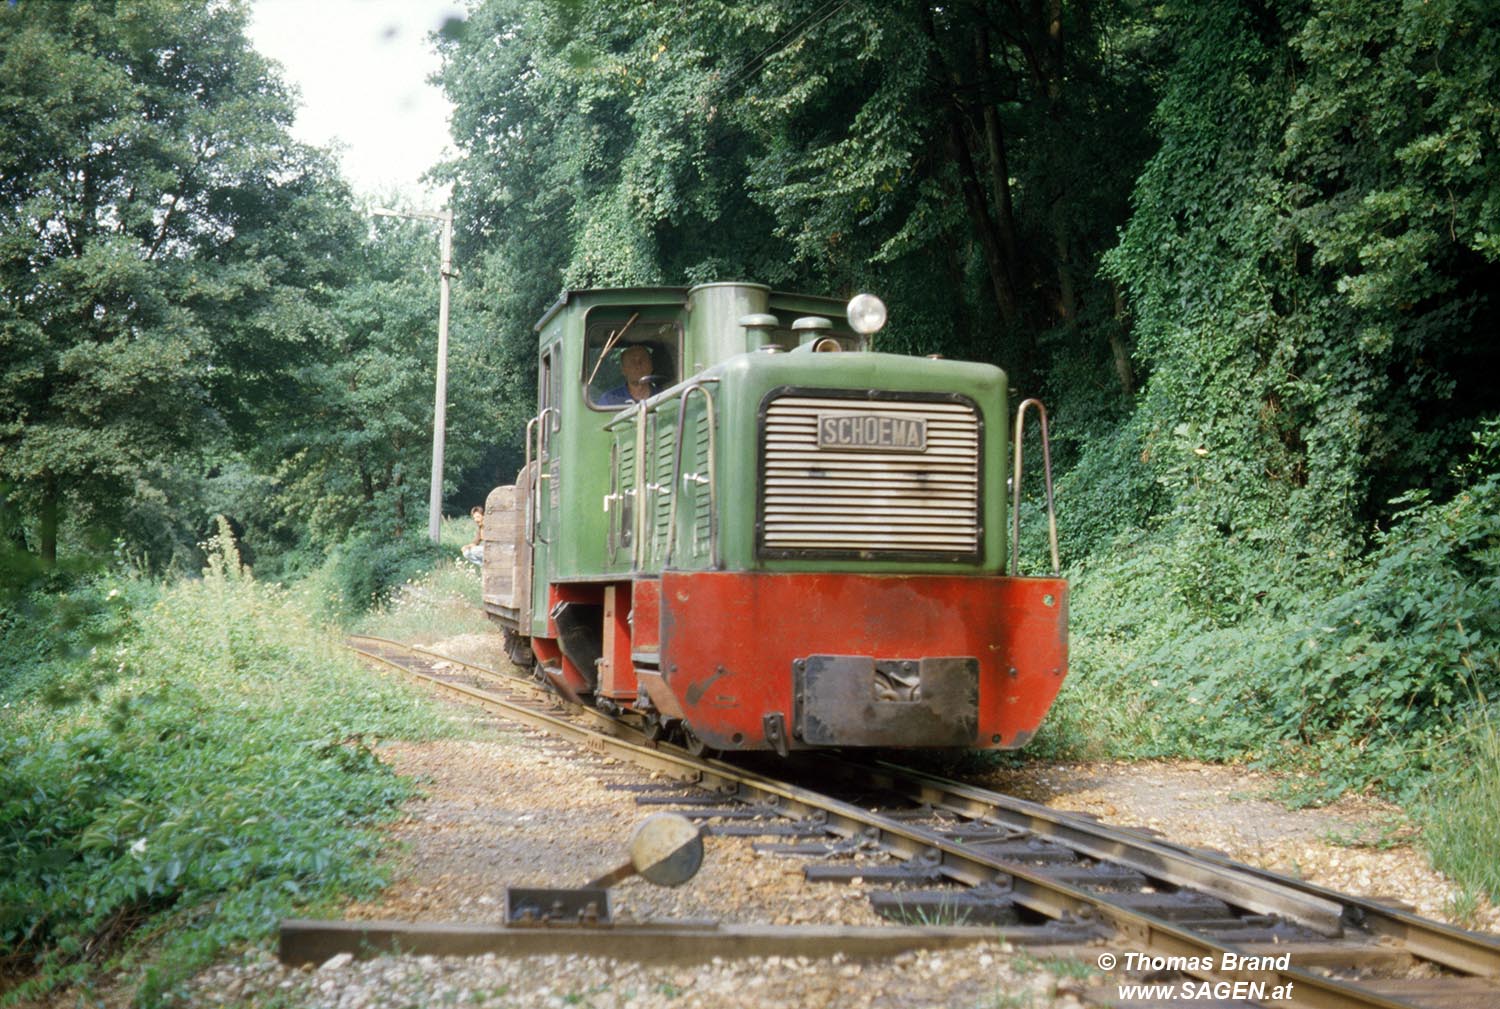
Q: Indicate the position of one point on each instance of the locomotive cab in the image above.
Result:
(739, 522)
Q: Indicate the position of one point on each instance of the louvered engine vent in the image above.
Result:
(877, 477)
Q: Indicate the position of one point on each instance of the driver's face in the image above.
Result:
(635, 363)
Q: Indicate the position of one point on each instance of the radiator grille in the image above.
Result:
(661, 434)
(697, 491)
(883, 502)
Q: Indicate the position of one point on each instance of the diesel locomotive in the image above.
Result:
(740, 524)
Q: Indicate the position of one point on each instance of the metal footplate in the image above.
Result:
(860, 700)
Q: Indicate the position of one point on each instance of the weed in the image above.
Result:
(930, 917)
(1463, 906)
(442, 603)
(1461, 819)
(364, 571)
(1382, 835)
(1068, 967)
(209, 775)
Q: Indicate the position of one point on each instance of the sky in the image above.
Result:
(362, 67)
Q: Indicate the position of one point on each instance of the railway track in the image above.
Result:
(946, 853)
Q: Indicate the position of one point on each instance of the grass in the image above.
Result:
(1461, 822)
(443, 603)
(440, 600)
(1024, 963)
(176, 790)
(1382, 834)
(1011, 1000)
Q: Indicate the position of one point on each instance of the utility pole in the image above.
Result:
(440, 394)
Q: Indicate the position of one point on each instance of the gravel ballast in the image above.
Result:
(517, 808)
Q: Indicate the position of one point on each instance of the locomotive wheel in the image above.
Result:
(694, 745)
(651, 726)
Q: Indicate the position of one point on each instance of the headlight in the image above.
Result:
(866, 314)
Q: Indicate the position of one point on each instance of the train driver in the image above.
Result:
(638, 365)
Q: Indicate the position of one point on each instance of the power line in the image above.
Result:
(806, 25)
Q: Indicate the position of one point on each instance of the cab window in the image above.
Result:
(628, 358)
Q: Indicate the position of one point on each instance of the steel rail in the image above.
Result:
(1226, 882)
(1459, 949)
(1454, 948)
(1051, 898)
(1317, 907)
(678, 767)
(311, 942)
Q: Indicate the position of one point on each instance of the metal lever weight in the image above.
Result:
(667, 849)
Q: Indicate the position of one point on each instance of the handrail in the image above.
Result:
(1015, 511)
(530, 518)
(542, 476)
(679, 477)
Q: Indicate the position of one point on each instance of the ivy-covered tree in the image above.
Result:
(162, 240)
(1311, 264)
(944, 155)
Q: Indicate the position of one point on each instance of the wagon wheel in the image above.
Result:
(518, 649)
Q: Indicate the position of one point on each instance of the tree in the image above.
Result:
(358, 458)
(939, 154)
(1312, 287)
(158, 233)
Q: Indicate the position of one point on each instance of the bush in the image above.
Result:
(362, 572)
(58, 621)
(442, 603)
(1369, 682)
(213, 774)
(1387, 667)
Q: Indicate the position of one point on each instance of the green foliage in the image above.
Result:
(363, 571)
(62, 621)
(158, 234)
(359, 457)
(1281, 554)
(1303, 371)
(1415, 639)
(1362, 683)
(213, 774)
(806, 147)
(1461, 816)
(1388, 130)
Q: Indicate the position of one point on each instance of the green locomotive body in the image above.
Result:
(775, 538)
